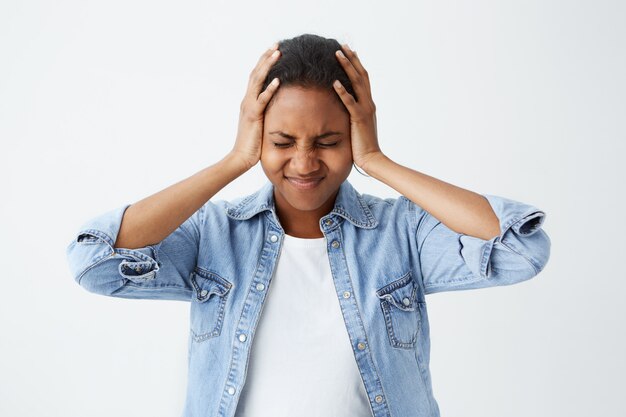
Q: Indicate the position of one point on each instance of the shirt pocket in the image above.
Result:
(208, 303)
(401, 311)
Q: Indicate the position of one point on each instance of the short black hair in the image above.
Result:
(309, 61)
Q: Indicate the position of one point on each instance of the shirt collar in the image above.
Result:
(349, 204)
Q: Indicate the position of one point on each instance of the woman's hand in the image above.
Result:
(363, 134)
(247, 145)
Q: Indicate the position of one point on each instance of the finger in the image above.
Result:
(358, 66)
(345, 97)
(359, 83)
(354, 59)
(266, 95)
(267, 53)
(258, 75)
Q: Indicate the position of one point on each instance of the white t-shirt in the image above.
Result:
(301, 362)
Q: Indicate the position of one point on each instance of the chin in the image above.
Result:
(303, 200)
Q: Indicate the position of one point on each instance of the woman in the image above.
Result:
(345, 330)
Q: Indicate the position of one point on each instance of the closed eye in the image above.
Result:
(323, 145)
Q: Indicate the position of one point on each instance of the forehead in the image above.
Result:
(295, 104)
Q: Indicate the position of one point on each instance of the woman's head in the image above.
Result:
(308, 61)
(306, 133)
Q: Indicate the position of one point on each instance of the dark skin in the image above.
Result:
(306, 135)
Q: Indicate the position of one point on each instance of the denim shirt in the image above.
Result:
(385, 255)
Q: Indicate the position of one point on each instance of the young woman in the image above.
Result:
(344, 329)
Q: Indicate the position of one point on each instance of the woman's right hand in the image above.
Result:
(252, 110)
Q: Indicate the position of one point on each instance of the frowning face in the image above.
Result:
(306, 151)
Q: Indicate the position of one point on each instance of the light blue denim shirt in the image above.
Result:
(385, 256)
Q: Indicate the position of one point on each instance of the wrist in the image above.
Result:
(237, 162)
(369, 162)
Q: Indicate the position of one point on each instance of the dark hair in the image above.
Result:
(308, 61)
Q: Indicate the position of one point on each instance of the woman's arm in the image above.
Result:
(149, 249)
(465, 240)
(152, 219)
(461, 210)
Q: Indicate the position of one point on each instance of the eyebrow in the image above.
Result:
(291, 137)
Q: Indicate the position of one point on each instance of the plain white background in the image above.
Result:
(103, 103)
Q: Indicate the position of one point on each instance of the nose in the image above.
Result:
(305, 161)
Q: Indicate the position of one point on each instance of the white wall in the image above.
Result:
(103, 103)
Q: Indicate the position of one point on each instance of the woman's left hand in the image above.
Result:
(363, 133)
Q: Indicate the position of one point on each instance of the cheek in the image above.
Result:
(340, 163)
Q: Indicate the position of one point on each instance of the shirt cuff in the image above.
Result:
(518, 221)
(95, 242)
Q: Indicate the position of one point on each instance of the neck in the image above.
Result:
(303, 224)
(299, 223)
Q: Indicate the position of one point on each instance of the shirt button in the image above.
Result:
(335, 244)
(203, 293)
(231, 390)
(346, 294)
(273, 238)
(328, 222)
(406, 301)
(242, 337)
(260, 287)
(361, 346)
(378, 399)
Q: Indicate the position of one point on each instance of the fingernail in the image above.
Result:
(341, 54)
(275, 54)
(337, 84)
(275, 81)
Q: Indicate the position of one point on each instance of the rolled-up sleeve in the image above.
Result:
(159, 271)
(454, 261)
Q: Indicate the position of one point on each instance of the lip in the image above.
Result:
(304, 184)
